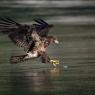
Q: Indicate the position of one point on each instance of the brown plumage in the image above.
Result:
(33, 38)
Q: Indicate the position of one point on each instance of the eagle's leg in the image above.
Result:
(45, 58)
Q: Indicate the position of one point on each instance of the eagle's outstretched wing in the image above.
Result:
(21, 34)
(18, 33)
(42, 27)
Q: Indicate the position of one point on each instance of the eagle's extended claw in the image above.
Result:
(54, 62)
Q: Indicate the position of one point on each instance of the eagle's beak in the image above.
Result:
(56, 41)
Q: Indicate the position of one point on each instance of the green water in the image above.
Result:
(76, 73)
(76, 51)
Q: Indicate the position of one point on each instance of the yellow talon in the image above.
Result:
(54, 62)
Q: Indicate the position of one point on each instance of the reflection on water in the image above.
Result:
(55, 73)
(31, 79)
(34, 80)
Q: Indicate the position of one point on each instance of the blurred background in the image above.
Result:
(74, 22)
(56, 11)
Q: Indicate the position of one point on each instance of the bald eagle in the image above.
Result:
(33, 38)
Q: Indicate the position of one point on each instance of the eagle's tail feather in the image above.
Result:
(17, 59)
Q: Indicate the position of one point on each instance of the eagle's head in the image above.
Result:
(48, 40)
(53, 39)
